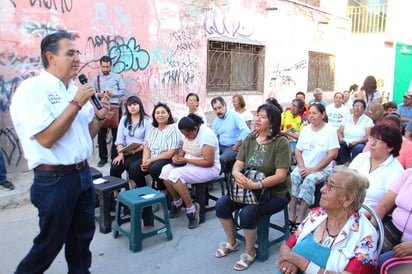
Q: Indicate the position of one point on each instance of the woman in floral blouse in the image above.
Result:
(334, 238)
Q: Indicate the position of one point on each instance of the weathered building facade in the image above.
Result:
(165, 49)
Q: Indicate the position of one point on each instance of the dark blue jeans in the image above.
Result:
(249, 214)
(382, 258)
(3, 170)
(65, 201)
(101, 141)
(347, 154)
(227, 158)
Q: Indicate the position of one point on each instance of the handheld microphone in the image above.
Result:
(96, 101)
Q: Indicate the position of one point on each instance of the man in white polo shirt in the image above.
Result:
(56, 124)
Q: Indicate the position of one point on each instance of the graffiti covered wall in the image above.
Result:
(159, 47)
(159, 57)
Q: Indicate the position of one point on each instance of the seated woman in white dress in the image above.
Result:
(197, 162)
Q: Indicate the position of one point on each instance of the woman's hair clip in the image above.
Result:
(160, 104)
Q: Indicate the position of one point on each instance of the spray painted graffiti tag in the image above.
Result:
(105, 41)
(40, 29)
(65, 5)
(128, 56)
(226, 26)
(13, 146)
(285, 76)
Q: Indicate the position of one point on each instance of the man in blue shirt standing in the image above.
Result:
(230, 129)
(405, 109)
(112, 84)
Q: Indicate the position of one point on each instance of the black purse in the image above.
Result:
(393, 235)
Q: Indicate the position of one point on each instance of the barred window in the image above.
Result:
(234, 68)
(321, 71)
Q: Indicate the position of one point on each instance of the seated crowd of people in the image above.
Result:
(358, 149)
(177, 154)
(372, 149)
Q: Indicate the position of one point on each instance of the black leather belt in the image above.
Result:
(62, 167)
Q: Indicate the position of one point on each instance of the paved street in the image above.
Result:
(190, 251)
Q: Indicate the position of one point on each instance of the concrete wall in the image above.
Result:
(160, 47)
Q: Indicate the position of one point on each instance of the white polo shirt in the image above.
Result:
(37, 102)
(380, 179)
(354, 132)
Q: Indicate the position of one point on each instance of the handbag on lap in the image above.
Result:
(248, 196)
(393, 235)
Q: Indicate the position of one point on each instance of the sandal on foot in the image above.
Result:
(225, 248)
(295, 227)
(291, 226)
(245, 261)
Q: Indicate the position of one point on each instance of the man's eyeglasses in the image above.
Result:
(358, 107)
(294, 106)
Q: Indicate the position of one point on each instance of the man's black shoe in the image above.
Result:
(102, 162)
(7, 185)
